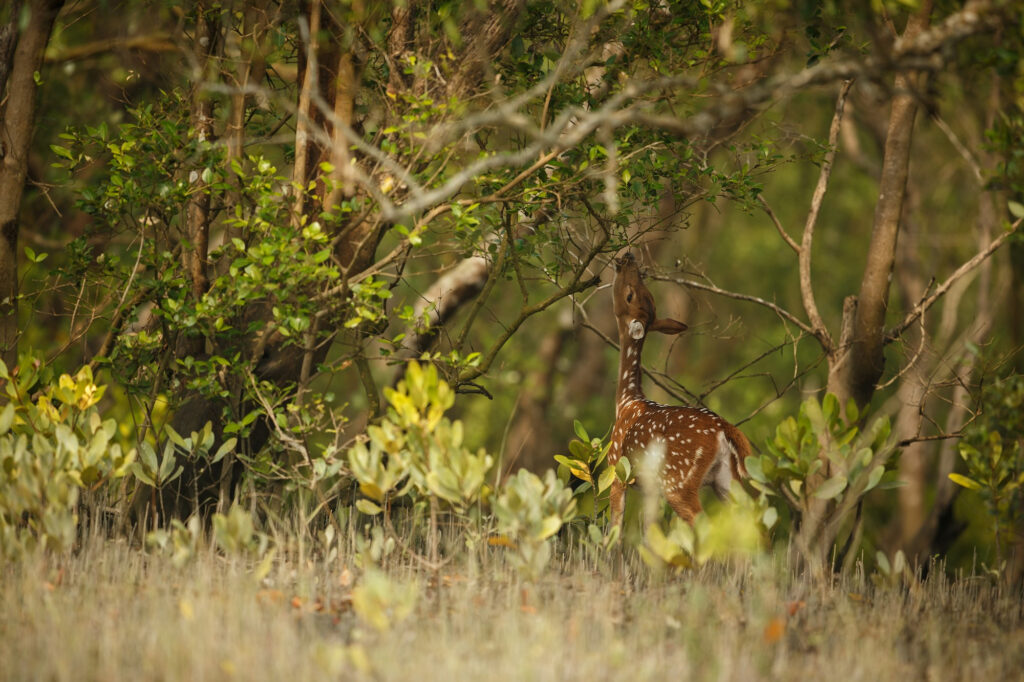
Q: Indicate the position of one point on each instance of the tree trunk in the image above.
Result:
(530, 444)
(913, 388)
(24, 55)
(858, 367)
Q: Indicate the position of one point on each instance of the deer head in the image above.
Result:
(633, 304)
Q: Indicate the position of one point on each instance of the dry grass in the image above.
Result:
(114, 613)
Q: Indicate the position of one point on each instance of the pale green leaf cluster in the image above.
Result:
(587, 461)
(528, 511)
(235, 533)
(180, 542)
(159, 471)
(794, 469)
(993, 454)
(416, 448)
(53, 444)
(735, 529)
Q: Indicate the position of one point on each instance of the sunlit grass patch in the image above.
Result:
(111, 613)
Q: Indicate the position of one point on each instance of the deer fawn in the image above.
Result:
(700, 448)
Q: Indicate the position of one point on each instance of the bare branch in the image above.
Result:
(778, 225)
(780, 311)
(806, 288)
(962, 149)
(927, 302)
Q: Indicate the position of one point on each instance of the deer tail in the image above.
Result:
(740, 451)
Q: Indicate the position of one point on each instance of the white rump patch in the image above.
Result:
(650, 469)
(720, 474)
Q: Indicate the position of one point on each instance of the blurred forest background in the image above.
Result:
(253, 214)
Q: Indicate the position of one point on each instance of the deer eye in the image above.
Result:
(629, 297)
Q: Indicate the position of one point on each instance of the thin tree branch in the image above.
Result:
(778, 225)
(806, 287)
(154, 42)
(927, 302)
(780, 311)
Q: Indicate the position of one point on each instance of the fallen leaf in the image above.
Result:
(501, 541)
(270, 596)
(774, 630)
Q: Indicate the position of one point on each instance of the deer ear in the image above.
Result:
(667, 326)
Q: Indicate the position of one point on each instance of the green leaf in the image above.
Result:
(6, 418)
(224, 449)
(830, 407)
(815, 416)
(831, 488)
(965, 482)
(581, 432)
(623, 469)
(754, 469)
(1016, 208)
(579, 450)
(606, 478)
(140, 474)
(176, 438)
(576, 467)
(549, 526)
(875, 477)
(367, 507)
(852, 413)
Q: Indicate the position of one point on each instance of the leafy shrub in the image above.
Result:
(993, 452)
(821, 464)
(528, 511)
(53, 444)
(734, 529)
(587, 462)
(180, 542)
(417, 449)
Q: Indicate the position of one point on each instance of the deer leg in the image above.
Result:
(685, 501)
(617, 501)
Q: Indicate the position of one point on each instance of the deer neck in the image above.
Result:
(630, 386)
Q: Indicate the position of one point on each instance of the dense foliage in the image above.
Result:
(343, 260)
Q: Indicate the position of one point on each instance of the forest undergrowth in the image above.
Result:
(112, 612)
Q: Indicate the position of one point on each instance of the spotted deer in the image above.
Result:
(699, 447)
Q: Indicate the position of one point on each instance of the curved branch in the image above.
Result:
(806, 289)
